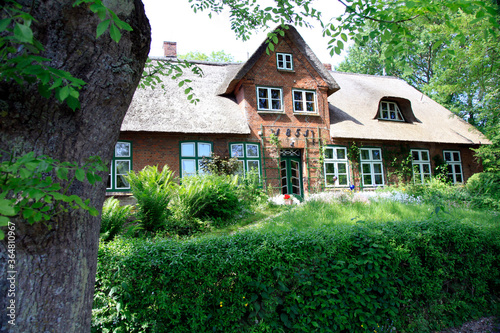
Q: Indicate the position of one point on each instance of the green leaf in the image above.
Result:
(93, 211)
(62, 173)
(63, 93)
(6, 208)
(4, 221)
(80, 174)
(115, 33)
(23, 33)
(102, 27)
(4, 23)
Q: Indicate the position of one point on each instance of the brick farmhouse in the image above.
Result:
(301, 126)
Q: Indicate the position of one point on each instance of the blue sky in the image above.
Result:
(175, 21)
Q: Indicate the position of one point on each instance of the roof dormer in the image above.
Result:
(395, 109)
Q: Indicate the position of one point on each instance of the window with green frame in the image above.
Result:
(248, 154)
(372, 172)
(191, 156)
(336, 166)
(120, 166)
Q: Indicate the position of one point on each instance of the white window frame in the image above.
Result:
(196, 156)
(450, 157)
(335, 160)
(304, 102)
(386, 114)
(372, 163)
(419, 165)
(113, 167)
(269, 99)
(286, 60)
(246, 157)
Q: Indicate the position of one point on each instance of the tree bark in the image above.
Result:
(56, 262)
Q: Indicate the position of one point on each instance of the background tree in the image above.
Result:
(214, 56)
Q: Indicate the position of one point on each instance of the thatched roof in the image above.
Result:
(157, 110)
(353, 113)
(232, 80)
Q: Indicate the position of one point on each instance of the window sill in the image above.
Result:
(286, 70)
(313, 114)
(115, 193)
(270, 112)
(391, 120)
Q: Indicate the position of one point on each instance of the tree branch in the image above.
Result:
(378, 20)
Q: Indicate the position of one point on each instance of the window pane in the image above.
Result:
(276, 105)
(253, 165)
(425, 155)
(366, 168)
(330, 167)
(310, 107)
(377, 168)
(367, 179)
(122, 167)
(188, 168)
(122, 149)
(329, 153)
(187, 149)
(298, 106)
(275, 93)
(309, 96)
(447, 156)
(204, 149)
(342, 168)
(297, 95)
(458, 169)
(240, 170)
(365, 154)
(458, 177)
(262, 92)
(341, 154)
(121, 182)
(376, 154)
(252, 150)
(415, 155)
(263, 104)
(378, 180)
(342, 180)
(329, 180)
(385, 115)
(426, 168)
(456, 157)
(280, 57)
(236, 150)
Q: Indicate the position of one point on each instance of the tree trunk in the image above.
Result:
(56, 262)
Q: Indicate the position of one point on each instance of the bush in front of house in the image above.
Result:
(113, 218)
(408, 276)
(153, 191)
(205, 198)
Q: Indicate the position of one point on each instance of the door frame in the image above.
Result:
(288, 158)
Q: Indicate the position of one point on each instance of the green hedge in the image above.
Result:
(411, 276)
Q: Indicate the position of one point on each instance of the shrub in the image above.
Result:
(484, 190)
(153, 191)
(113, 218)
(208, 197)
(394, 276)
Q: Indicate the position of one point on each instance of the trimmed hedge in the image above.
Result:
(411, 276)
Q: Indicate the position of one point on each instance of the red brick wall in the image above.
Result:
(470, 164)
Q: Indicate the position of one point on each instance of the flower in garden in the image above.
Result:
(286, 197)
(221, 304)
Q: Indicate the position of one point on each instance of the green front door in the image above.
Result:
(291, 172)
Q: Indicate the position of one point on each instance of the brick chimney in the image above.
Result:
(328, 67)
(170, 49)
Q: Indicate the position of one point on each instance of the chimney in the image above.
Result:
(328, 67)
(170, 49)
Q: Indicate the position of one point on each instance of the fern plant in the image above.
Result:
(113, 218)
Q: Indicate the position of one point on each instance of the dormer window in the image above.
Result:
(284, 61)
(304, 101)
(390, 111)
